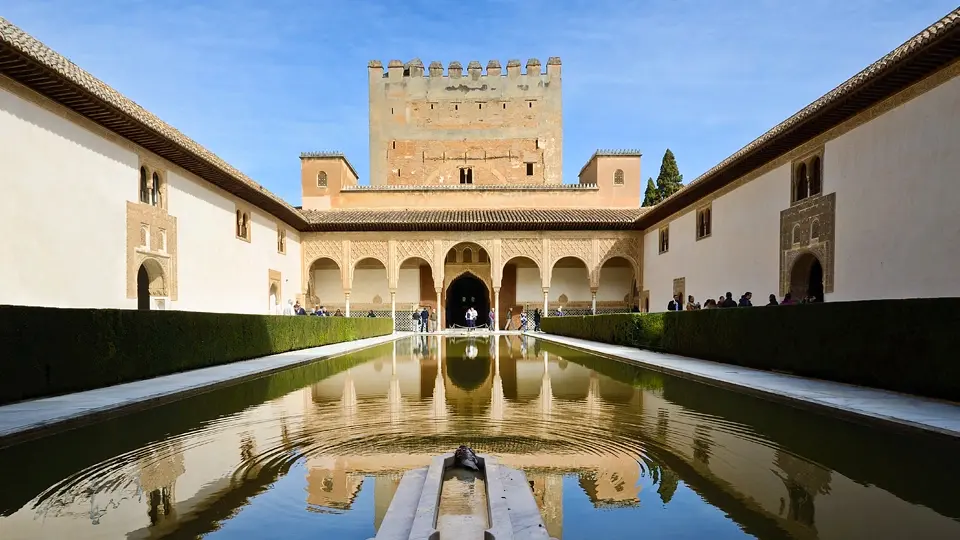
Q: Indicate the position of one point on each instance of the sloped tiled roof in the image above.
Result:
(922, 55)
(473, 220)
(31, 63)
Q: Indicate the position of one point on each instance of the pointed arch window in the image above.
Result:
(704, 222)
(322, 179)
(155, 189)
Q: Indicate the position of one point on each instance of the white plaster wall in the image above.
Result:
(408, 286)
(329, 285)
(217, 271)
(897, 232)
(742, 253)
(369, 283)
(529, 288)
(62, 211)
(573, 282)
(615, 283)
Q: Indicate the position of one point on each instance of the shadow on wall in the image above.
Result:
(49, 351)
(98, 442)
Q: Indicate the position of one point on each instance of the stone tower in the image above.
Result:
(486, 128)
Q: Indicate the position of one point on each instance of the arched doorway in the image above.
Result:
(273, 303)
(143, 289)
(150, 283)
(806, 278)
(464, 292)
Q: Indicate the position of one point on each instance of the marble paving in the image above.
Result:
(854, 402)
(23, 420)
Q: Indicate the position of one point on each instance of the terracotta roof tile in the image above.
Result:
(473, 220)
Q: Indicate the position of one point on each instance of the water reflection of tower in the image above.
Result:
(548, 492)
(497, 401)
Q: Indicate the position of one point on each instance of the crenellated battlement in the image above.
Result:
(454, 70)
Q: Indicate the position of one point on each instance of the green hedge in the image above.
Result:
(48, 351)
(901, 345)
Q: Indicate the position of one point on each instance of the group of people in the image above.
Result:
(294, 308)
(727, 301)
(522, 326)
(425, 319)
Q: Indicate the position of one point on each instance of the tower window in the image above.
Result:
(394, 145)
(480, 105)
(664, 239)
(391, 110)
(321, 179)
(504, 106)
(529, 169)
(456, 107)
(618, 177)
(466, 175)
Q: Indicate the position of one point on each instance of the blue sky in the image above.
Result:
(259, 82)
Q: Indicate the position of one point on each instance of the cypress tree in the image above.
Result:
(670, 180)
(650, 196)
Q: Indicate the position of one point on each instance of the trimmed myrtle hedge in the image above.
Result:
(900, 345)
(48, 351)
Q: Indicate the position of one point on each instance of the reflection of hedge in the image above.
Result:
(901, 345)
(49, 351)
(97, 442)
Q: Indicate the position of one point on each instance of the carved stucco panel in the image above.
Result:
(801, 217)
(531, 248)
(407, 249)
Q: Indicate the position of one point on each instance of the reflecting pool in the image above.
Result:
(611, 451)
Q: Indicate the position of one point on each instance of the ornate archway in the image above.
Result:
(150, 283)
(806, 278)
(465, 291)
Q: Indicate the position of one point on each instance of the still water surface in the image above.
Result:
(612, 451)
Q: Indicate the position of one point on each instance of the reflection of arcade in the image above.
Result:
(502, 381)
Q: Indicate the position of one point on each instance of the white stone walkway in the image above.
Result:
(854, 402)
(23, 420)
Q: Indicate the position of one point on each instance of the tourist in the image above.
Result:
(676, 303)
(745, 299)
(787, 300)
(536, 320)
(728, 301)
(692, 305)
(490, 320)
(288, 309)
(523, 322)
(509, 322)
(468, 316)
(424, 319)
(371, 314)
(338, 313)
(433, 321)
(710, 304)
(560, 311)
(298, 309)
(773, 300)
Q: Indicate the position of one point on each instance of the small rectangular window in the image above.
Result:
(456, 107)
(479, 105)
(391, 110)
(504, 106)
(529, 169)
(431, 106)
(394, 145)
(530, 104)
(664, 239)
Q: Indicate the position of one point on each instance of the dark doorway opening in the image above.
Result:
(815, 284)
(143, 289)
(806, 278)
(464, 292)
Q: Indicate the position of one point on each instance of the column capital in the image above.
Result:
(546, 290)
(593, 290)
(438, 290)
(393, 290)
(496, 290)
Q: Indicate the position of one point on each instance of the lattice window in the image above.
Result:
(322, 179)
(618, 177)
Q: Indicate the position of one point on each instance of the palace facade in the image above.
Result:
(105, 205)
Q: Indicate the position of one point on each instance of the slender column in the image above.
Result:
(393, 308)
(495, 323)
(346, 297)
(439, 311)
(593, 301)
(546, 301)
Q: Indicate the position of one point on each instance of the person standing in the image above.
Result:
(536, 320)
(424, 319)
